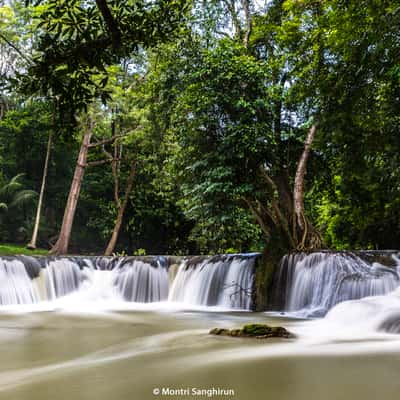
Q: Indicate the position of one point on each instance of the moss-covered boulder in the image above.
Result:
(258, 331)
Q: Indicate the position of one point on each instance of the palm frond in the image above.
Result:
(11, 187)
(22, 197)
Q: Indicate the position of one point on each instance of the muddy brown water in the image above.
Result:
(134, 354)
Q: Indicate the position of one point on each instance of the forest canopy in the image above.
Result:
(183, 127)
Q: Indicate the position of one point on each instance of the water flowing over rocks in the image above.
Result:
(310, 284)
(304, 284)
(224, 281)
(220, 280)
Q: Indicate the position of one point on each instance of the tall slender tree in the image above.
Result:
(77, 41)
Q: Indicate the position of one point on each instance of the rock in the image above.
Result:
(258, 331)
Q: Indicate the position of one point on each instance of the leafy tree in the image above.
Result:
(76, 43)
(358, 139)
(78, 40)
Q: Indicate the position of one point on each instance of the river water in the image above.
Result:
(51, 352)
(124, 328)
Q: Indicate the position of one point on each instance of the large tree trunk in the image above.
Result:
(61, 246)
(298, 192)
(305, 234)
(121, 210)
(32, 243)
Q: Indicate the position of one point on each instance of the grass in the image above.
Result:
(13, 249)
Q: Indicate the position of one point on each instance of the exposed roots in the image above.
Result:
(310, 237)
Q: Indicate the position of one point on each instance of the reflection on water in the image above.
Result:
(126, 355)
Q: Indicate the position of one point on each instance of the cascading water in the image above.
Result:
(63, 276)
(311, 284)
(16, 286)
(28, 280)
(225, 281)
(139, 283)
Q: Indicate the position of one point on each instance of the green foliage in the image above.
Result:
(77, 41)
(140, 252)
(220, 130)
(13, 199)
(13, 195)
(202, 112)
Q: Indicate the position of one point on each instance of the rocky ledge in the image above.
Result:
(257, 331)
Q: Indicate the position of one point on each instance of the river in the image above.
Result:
(56, 353)
(124, 328)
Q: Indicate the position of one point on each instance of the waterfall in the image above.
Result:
(63, 276)
(139, 283)
(16, 286)
(225, 281)
(311, 284)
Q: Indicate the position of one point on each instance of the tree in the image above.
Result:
(33, 241)
(239, 145)
(61, 246)
(356, 89)
(77, 42)
(242, 125)
(15, 36)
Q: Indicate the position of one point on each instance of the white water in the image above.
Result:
(112, 282)
(312, 284)
(16, 287)
(227, 283)
(62, 277)
(139, 283)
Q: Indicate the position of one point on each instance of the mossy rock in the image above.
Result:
(258, 331)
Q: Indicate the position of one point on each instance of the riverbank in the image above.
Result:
(8, 249)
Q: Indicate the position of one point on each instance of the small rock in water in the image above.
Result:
(258, 331)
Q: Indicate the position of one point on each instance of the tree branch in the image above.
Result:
(107, 141)
(230, 4)
(249, 25)
(110, 22)
(99, 162)
(78, 52)
(257, 216)
(15, 48)
(271, 184)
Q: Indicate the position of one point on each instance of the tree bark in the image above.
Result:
(32, 243)
(121, 210)
(111, 23)
(248, 22)
(230, 4)
(298, 192)
(61, 246)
